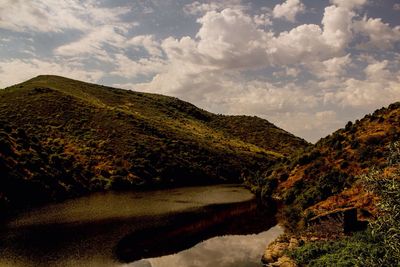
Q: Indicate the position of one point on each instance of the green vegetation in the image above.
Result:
(33, 174)
(377, 246)
(346, 252)
(386, 228)
(332, 165)
(62, 138)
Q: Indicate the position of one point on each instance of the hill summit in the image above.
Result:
(61, 138)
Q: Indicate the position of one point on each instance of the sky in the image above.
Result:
(307, 66)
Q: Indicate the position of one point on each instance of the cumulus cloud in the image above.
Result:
(263, 20)
(301, 44)
(380, 87)
(330, 68)
(367, 93)
(148, 43)
(350, 4)
(337, 22)
(218, 42)
(128, 68)
(207, 70)
(289, 10)
(377, 71)
(217, 47)
(380, 34)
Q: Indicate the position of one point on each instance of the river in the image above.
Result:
(218, 225)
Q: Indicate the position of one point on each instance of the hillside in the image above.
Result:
(62, 137)
(323, 178)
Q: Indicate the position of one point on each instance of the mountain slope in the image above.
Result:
(323, 178)
(86, 137)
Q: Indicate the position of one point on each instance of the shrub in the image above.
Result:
(269, 187)
(355, 144)
(386, 227)
(379, 245)
(346, 252)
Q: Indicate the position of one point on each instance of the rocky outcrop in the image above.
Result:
(274, 255)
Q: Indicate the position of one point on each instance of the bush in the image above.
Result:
(269, 187)
(291, 217)
(386, 228)
(379, 245)
(346, 252)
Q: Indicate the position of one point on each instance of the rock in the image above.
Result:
(267, 257)
(274, 254)
(285, 261)
(278, 250)
(293, 243)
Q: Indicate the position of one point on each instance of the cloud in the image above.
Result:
(217, 42)
(10, 70)
(93, 43)
(198, 8)
(337, 22)
(309, 78)
(250, 47)
(380, 87)
(289, 10)
(330, 68)
(263, 20)
(209, 70)
(349, 4)
(301, 44)
(99, 27)
(147, 42)
(128, 68)
(377, 70)
(367, 94)
(54, 15)
(312, 124)
(380, 34)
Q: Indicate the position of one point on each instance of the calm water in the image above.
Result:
(221, 251)
(105, 229)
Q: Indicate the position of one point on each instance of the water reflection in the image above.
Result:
(224, 251)
(88, 231)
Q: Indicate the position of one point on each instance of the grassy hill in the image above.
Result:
(61, 138)
(323, 178)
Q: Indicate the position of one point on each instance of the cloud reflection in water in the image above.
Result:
(222, 251)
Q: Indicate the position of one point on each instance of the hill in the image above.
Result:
(61, 138)
(324, 178)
